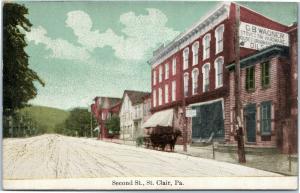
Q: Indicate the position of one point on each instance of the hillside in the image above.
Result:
(46, 117)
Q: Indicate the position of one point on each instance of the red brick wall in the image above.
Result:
(248, 16)
(277, 93)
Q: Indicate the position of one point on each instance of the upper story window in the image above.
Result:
(174, 66)
(159, 96)
(250, 76)
(154, 98)
(219, 38)
(154, 77)
(166, 93)
(174, 90)
(186, 84)
(219, 62)
(160, 73)
(195, 74)
(206, 46)
(166, 70)
(205, 72)
(195, 49)
(265, 74)
(185, 58)
(265, 111)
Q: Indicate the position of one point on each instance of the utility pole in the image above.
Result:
(184, 133)
(90, 110)
(238, 118)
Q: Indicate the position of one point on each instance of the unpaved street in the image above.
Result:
(55, 156)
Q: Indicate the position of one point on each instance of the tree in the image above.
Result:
(18, 78)
(113, 124)
(78, 123)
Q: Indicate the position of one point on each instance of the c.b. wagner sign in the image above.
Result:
(257, 37)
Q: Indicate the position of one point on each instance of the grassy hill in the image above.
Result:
(46, 117)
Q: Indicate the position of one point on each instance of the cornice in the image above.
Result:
(204, 25)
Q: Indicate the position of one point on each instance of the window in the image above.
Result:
(265, 118)
(154, 98)
(206, 46)
(195, 74)
(265, 74)
(160, 74)
(174, 66)
(174, 90)
(205, 72)
(186, 84)
(185, 58)
(219, 38)
(250, 84)
(166, 93)
(219, 71)
(159, 96)
(195, 50)
(166, 71)
(154, 77)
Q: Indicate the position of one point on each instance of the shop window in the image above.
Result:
(185, 58)
(219, 38)
(265, 74)
(206, 46)
(205, 72)
(250, 78)
(265, 118)
(219, 71)
(195, 74)
(195, 49)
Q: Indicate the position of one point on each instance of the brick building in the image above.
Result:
(102, 109)
(193, 68)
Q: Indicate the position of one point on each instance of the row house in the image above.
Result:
(135, 108)
(193, 68)
(102, 109)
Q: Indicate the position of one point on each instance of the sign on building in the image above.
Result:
(190, 112)
(257, 37)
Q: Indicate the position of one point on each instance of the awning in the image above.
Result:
(161, 118)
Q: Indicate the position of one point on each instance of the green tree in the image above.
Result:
(18, 78)
(78, 123)
(113, 124)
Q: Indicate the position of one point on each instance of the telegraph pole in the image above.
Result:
(238, 118)
(184, 133)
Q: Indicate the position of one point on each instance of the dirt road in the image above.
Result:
(55, 156)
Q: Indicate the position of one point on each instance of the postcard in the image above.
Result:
(141, 95)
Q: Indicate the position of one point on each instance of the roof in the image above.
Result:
(136, 97)
(261, 55)
(107, 102)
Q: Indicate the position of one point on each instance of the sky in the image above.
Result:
(100, 48)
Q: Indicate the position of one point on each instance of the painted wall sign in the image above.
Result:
(257, 37)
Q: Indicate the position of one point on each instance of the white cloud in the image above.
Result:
(60, 48)
(142, 33)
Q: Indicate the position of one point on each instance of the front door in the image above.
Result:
(250, 118)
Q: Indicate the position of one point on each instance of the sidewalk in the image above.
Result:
(275, 162)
